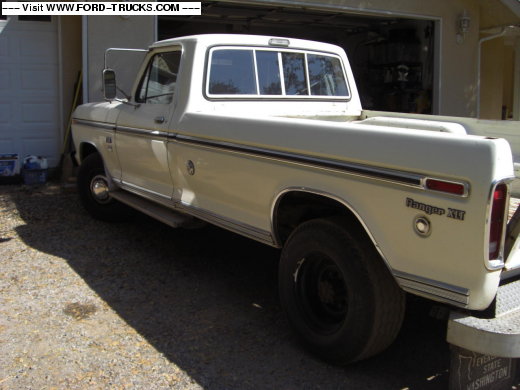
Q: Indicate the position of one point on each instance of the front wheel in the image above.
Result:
(93, 188)
(338, 295)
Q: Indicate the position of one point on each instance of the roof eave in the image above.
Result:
(513, 5)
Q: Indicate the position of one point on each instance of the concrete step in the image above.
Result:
(498, 336)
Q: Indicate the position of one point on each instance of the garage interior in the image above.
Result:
(392, 57)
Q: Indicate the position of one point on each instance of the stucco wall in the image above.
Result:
(492, 79)
(70, 60)
(516, 71)
(509, 77)
(113, 31)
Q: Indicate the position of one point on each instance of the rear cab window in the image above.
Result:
(264, 73)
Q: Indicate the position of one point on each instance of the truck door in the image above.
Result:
(141, 135)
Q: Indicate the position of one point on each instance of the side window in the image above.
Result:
(326, 76)
(158, 83)
(232, 73)
(294, 73)
(268, 73)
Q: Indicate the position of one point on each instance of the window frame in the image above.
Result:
(283, 96)
(255, 76)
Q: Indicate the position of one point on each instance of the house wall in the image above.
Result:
(500, 73)
(516, 72)
(70, 63)
(509, 78)
(492, 79)
(103, 32)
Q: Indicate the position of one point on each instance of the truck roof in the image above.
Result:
(250, 40)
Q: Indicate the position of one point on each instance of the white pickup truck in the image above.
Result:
(266, 137)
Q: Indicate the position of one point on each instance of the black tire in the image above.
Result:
(338, 294)
(92, 177)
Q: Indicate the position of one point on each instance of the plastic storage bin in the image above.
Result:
(8, 165)
(34, 176)
(34, 170)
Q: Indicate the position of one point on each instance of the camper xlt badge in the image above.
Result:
(429, 209)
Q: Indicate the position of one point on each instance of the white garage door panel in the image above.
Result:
(5, 116)
(6, 144)
(3, 48)
(38, 113)
(5, 80)
(39, 147)
(45, 51)
(39, 80)
(29, 116)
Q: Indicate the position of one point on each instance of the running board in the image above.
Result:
(155, 210)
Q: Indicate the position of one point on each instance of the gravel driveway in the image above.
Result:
(91, 305)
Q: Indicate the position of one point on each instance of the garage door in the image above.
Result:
(29, 87)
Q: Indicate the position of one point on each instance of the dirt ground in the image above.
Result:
(91, 305)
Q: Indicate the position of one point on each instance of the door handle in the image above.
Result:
(159, 119)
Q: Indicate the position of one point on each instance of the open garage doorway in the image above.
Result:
(392, 57)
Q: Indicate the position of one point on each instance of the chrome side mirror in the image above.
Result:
(109, 84)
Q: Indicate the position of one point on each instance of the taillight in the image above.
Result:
(496, 224)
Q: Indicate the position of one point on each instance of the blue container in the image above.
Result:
(34, 176)
(8, 165)
(34, 170)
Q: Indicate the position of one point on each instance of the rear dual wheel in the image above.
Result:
(339, 296)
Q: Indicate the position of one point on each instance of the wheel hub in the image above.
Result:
(331, 291)
(323, 293)
(99, 189)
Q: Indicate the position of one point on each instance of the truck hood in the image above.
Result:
(98, 112)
